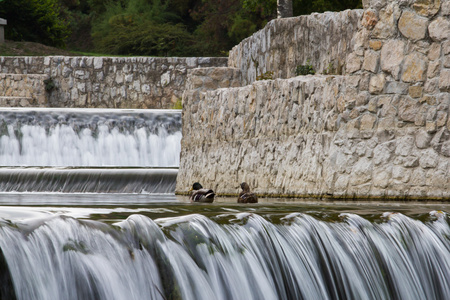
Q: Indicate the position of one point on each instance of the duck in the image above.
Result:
(246, 196)
(199, 194)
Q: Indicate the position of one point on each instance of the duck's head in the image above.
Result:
(196, 186)
(245, 187)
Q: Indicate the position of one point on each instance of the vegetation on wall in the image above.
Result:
(148, 27)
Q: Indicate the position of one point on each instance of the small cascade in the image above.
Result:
(240, 256)
(89, 137)
(84, 180)
(89, 150)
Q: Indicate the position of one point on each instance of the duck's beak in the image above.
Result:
(191, 189)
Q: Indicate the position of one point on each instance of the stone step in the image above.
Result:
(22, 89)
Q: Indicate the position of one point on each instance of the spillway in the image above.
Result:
(113, 147)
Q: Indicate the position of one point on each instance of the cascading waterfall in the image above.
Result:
(92, 137)
(58, 143)
(232, 256)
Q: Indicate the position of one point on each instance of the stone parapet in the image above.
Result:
(316, 136)
(320, 40)
(111, 82)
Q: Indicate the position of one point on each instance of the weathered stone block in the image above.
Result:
(371, 61)
(414, 67)
(444, 80)
(447, 61)
(423, 139)
(367, 125)
(353, 63)
(361, 172)
(429, 159)
(381, 178)
(427, 8)
(415, 91)
(441, 118)
(439, 29)
(434, 51)
(401, 174)
(396, 87)
(377, 83)
(434, 67)
(412, 26)
(392, 55)
(408, 109)
(445, 8)
(386, 26)
(375, 44)
(369, 19)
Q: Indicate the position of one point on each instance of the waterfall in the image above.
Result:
(89, 150)
(227, 256)
(89, 137)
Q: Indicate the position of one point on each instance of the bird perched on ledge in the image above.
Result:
(246, 196)
(199, 194)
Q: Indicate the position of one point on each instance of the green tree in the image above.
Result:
(141, 27)
(35, 21)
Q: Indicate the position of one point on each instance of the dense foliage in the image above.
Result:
(148, 27)
(34, 20)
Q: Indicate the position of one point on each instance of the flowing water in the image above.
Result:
(88, 211)
(89, 150)
(175, 250)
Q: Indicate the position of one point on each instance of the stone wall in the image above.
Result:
(380, 130)
(320, 40)
(22, 90)
(109, 82)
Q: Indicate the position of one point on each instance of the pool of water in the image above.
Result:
(113, 207)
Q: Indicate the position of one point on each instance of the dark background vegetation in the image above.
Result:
(147, 27)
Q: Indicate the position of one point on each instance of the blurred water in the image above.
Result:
(225, 251)
(89, 150)
(90, 137)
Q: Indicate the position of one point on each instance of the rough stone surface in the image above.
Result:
(444, 80)
(317, 39)
(382, 128)
(108, 82)
(413, 26)
(427, 8)
(414, 67)
(23, 90)
(289, 149)
(392, 55)
(377, 83)
(440, 29)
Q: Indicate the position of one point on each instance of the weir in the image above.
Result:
(89, 150)
(234, 255)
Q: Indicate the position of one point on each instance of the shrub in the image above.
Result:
(305, 69)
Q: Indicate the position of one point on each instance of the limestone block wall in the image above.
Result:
(305, 136)
(111, 82)
(321, 40)
(22, 90)
(380, 130)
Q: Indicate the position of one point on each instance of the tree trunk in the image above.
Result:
(284, 8)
